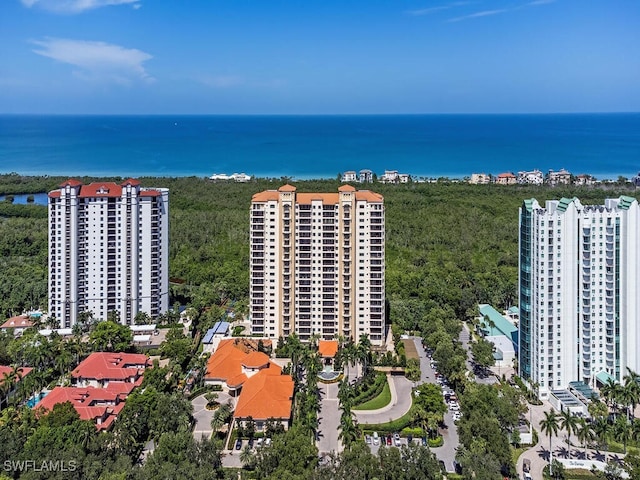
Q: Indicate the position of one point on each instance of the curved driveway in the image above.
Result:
(400, 403)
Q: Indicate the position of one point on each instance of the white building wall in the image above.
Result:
(584, 312)
(319, 283)
(106, 260)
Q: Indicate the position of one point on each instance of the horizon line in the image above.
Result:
(50, 114)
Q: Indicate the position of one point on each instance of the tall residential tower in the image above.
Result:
(317, 264)
(108, 250)
(579, 281)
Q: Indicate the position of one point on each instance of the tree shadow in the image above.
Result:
(562, 452)
(543, 453)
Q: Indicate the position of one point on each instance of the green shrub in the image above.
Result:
(415, 431)
(435, 442)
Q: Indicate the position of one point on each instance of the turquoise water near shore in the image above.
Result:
(604, 145)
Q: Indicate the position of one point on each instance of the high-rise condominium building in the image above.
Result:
(108, 250)
(317, 264)
(579, 281)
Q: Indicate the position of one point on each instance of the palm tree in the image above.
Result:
(622, 431)
(364, 351)
(610, 391)
(246, 457)
(549, 425)
(631, 390)
(601, 429)
(348, 430)
(569, 423)
(584, 434)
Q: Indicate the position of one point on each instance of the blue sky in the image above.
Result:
(319, 56)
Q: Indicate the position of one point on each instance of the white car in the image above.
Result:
(396, 439)
(376, 438)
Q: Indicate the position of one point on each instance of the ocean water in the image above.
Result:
(603, 145)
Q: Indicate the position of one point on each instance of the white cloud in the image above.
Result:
(484, 13)
(76, 6)
(438, 8)
(487, 13)
(97, 60)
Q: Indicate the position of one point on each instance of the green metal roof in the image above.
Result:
(625, 202)
(603, 377)
(564, 203)
(501, 326)
(528, 204)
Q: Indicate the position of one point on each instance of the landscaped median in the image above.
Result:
(379, 396)
(427, 406)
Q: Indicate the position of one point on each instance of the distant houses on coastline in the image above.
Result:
(236, 177)
(533, 177)
(527, 177)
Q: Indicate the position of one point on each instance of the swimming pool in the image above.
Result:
(33, 401)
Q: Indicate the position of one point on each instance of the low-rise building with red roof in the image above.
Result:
(327, 349)
(101, 368)
(17, 324)
(263, 392)
(13, 375)
(507, 178)
(102, 383)
(99, 405)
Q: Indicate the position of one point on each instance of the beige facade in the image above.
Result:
(317, 264)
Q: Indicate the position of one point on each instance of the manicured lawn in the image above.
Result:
(380, 401)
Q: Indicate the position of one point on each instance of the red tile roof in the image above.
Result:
(6, 370)
(226, 363)
(255, 360)
(328, 348)
(369, 196)
(112, 366)
(54, 194)
(20, 321)
(72, 182)
(91, 403)
(149, 193)
(326, 198)
(104, 189)
(266, 196)
(130, 181)
(264, 396)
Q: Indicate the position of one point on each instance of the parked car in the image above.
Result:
(259, 442)
(424, 441)
(409, 439)
(367, 439)
(238, 444)
(396, 439)
(376, 438)
(267, 441)
(389, 440)
(251, 442)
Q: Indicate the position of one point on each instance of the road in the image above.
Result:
(447, 452)
(400, 403)
(329, 419)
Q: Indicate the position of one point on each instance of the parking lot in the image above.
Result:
(390, 440)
